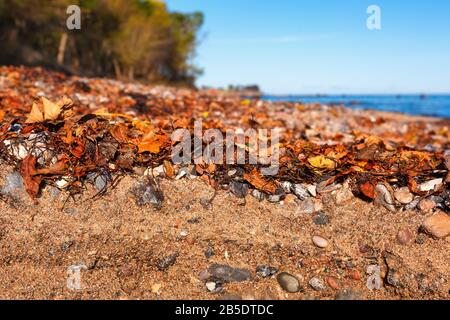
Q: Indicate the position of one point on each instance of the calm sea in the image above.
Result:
(430, 105)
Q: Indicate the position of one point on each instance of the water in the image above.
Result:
(429, 105)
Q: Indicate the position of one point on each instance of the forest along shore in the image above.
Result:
(358, 208)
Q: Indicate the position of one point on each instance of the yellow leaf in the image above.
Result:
(51, 110)
(321, 162)
(35, 115)
(46, 110)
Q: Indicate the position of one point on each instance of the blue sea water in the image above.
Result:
(429, 105)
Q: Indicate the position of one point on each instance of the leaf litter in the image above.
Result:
(55, 134)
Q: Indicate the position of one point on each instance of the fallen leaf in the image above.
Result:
(48, 111)
(256, 179)
(31, 181)
(368, 189)
(153, 143)
(322, 163)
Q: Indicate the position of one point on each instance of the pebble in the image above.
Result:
(431, 185)
(13, 183)
(100, 180)
(384, 198)
(347, 294)
(288, 282)
(438, 225)
(412, 205)
(213, 287)
(354, 274)
(300, 191)
(209, 252)
(405, 237)
(317, 284)
(258, 195)
(277, 197)
(166, 262)
(147, 192)
(306, 207)
(239, 189)
(393, 278)
(266, 271)
(286, 186)
(343, 195)
(320, 242)
(426, 205)
(226, 273)
(321, 219)
(332, 282)
(403, 195)
(312, 189)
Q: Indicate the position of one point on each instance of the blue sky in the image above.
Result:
(310, 46)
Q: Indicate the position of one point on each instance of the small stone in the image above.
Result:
(347, 294)
(213, 287)
(332, 282)
(403, 195)
(384, 198)
(412, 205)
(239, 189)
(286, 186)
(343, 195)
(66, 245)
(183, 233)
(277, 197)
(209, 252)
(290, 198)
(13, 183)
(405, 237)
(300, 191)
(258, 195)
(226, 273)
(147, 192)
(393, 278)
(438, 225)
(306, 207)
(266, 271)
(166, 262)
(320, 242)
(317, 284)
(321, 219)
(432, 185)
(426, 205)
(288, 282)
(311, 189)
(100, 180)
(354, 274)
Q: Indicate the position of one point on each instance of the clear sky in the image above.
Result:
(311, 46)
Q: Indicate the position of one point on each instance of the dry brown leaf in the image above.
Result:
(46, 110)
(153, 143)
(256, 179)
(30, 180)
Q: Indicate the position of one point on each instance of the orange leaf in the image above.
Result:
(153, 143)
(30, 180)
(368, 189)
(255, 178)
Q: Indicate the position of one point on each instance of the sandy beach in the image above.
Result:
(358, 209)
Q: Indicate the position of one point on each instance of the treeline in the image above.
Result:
(126, 39)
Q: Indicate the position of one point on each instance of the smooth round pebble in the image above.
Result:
(288, 282)
(320, 242)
